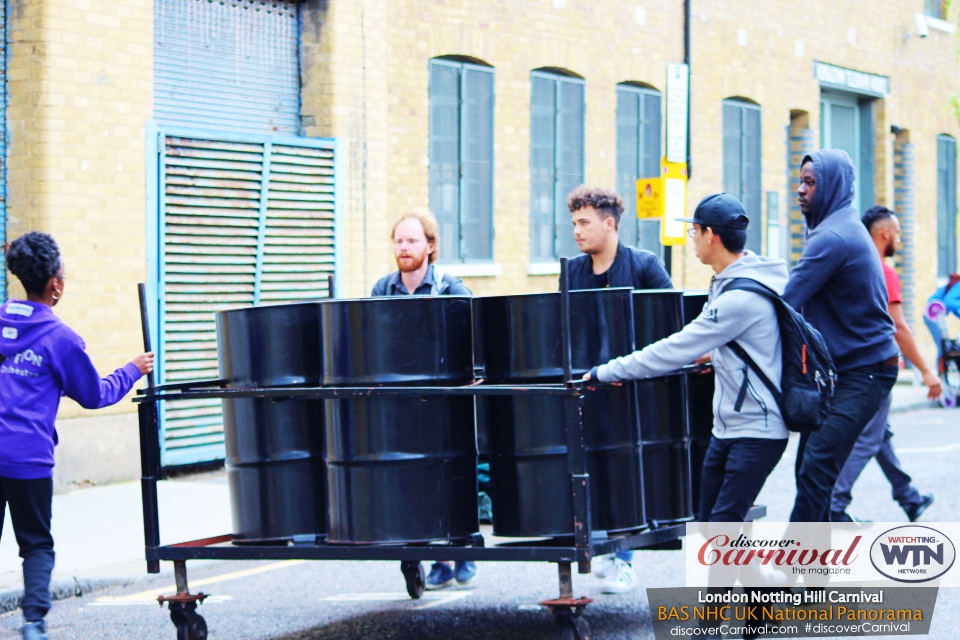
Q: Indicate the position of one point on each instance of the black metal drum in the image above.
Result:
(666, 453)
(274, 448)
(400, 469)
(530, 482)
(699, 395)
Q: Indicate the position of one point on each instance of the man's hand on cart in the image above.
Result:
(144, 362)
(592, 375)
(704, 359)
(933, 383)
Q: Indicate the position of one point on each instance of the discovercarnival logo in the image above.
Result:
(912, 553)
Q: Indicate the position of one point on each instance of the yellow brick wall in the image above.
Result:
(387, 47)
(80, 86)
(923, 75)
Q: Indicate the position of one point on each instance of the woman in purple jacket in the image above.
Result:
(42, 359)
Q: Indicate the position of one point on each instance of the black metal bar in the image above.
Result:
(150, 471)
(642, 540)
(566, 580)
(180, 386)
(354, 392)
(145, 326)
(565, 323)
(331, 291)
(180, 575)
(579, 481)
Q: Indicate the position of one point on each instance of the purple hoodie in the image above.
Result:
(44, 359)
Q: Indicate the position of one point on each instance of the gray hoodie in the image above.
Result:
(746, 317)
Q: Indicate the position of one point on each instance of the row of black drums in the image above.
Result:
(392, 469)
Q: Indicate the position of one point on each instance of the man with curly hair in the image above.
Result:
(606, 262)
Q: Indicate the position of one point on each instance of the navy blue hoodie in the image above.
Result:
(44, 359)
(838, 284)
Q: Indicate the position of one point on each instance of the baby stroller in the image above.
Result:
(945, 301)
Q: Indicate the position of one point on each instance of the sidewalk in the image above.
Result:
(910, 397)
(98, 533)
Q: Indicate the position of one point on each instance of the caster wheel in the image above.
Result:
(191, 626)
(415, 578)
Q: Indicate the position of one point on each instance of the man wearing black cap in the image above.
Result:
(749, 435)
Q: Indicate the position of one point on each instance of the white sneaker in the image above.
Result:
(602, 566)
(620, 578)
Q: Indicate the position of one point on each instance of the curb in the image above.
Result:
(64, 588)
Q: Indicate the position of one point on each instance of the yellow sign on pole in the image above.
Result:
(674, 179)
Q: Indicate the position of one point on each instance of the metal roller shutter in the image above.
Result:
(230, 64)
(242, 221)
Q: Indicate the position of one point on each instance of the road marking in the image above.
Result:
(434, 599)
(942, 449)
(108, 601)
(151, 595)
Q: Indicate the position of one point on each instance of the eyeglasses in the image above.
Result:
(692, 232)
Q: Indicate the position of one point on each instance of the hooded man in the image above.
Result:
(749, 435)
(838, 286)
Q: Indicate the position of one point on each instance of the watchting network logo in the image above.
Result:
(912, 553)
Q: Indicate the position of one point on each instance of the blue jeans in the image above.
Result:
(822, 454)
(875, 442)
(734, 470)
(31, 503)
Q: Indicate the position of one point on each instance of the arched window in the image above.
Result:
(556, 160)
(461, 157)
(946, 205)
(741, 161)
(638, 156)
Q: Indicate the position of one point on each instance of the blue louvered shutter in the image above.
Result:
(542, 167)
(628, 160)
(741, 163)
(946, 206)
(650, 154)
(445, 154)
(569, 167)
(476, 154)
(230, 64)
(241, 221)
(750, 193)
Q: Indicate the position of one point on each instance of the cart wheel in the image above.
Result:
(573, 628)
(191, 626)
(416, 581)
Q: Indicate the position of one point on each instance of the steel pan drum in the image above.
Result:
(530, 482)
(657, 315)
(275, 467)
(699, 400)
(400, 469)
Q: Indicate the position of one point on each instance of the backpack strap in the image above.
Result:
(749, 284)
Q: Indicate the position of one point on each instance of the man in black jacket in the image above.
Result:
(607, 263)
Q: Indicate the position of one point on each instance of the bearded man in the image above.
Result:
(416, 247)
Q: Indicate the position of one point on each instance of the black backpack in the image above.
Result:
(807, 379)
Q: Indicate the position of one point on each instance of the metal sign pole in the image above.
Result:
(149, 449)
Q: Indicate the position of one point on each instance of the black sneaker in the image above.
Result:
(915, 511)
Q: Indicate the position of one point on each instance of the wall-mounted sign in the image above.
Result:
(678, 93)
(650, 198)
(835, 77)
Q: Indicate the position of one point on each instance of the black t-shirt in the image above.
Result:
(600, 281)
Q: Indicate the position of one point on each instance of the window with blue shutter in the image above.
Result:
(946, 206)
(461, 159)
(638, 156)
(556, 162)
(741, 162)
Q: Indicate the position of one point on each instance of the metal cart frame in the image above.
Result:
(581, 548)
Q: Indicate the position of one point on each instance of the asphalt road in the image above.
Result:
(348, 600)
